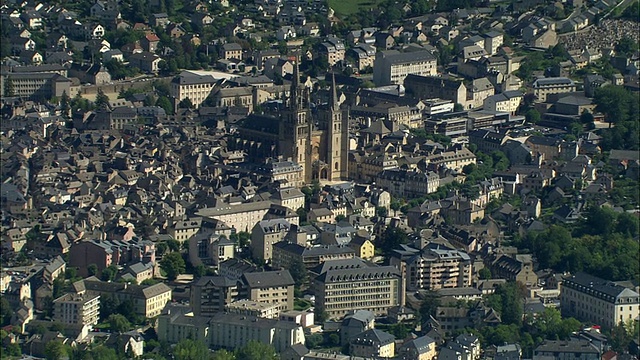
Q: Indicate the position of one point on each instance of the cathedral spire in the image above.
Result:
(334, 93)
(295, 85)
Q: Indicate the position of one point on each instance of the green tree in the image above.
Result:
(188, 349)
(484, 273)
(92, 269)
(255, 350)
(5, 311)
(119, 323)
(103, 353)
(533, 116)
(509, 298)
(314, 341)
(320, 315)
(109, 273)
(223, 354)
(199, 271)
(55, 350)
(392, 238)
(429, 305)
(298, 273)
(165, 104)
(9, 88)
(186, 104)
(173, 264)
(382, 211)
(340, 218)
(102, 100)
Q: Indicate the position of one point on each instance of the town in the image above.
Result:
(320, 179)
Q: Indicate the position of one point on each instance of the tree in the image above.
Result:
(92, 269)
(533, 116)
(320, 315)
(298, 272)
(392, 238)
(173, 264)
(186, 104)
(173, 245)
(508, 301)
(102, 100)
(429, 305)
(340, 218)
(9, 88)
(119, 323)
(255, 350)
(314, 341)
(484, 273)
(103, 353)
(199, 271)
(458, 107)
(109, 273)
(71, 273)
(54, 350)
(223, 354)
(382, 211)
(188, 349)
(5, 312)
(65, 104)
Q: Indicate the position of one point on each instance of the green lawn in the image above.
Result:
(301, 304)
(348, 7)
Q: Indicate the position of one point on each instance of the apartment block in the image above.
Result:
(254, 308)
(405, 183)
(76, 309)
(285, 253)
(433, 268)
(104, 253)
(37, 86)
(567, 350)
(148, 301)
(429, 87)
(265, 234)
(192, 86)
(211, 294)
(340, 291)
(372, 343)
(599, 301)
(275, 287)
(183, 230)
(392, 67)
(544, 87)
(333, 49)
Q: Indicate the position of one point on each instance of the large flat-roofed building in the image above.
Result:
(392, 67)
(286, 253)
(433, 269)
(193, 86)
(274, 287)
(37, 86)
(340, 291)
(210, 294)
(543, 87)
(77, 309)
(428, 87)
(602, 302)
(567, 350)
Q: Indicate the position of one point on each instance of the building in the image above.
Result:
(428, 87)
(285, 253)
(104, 253)
(183, 230)
(405, 183)
(287, 172)
(231, 51)
(543, 87)
(145, 61)
(422, 348)
(192, 86)
(333, 50)
(265, 234)
(231, 331)
(433, 268)
(211, 294)
(319, 145)
(340, 291)
(254, 308)
(372, 343)
(392, 67)
(513, 268)
(567, 350)
(464, 347)
(148, 301)
(77, 309)
(36, 86)
(275, 287)
(599, 301)
(508, 101)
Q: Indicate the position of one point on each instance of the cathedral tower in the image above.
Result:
(295, 125)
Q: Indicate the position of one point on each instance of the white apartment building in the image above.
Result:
(599, 301)
(193, 86)
(433, 269)
(543, 87)
(508, 101)
(77, 309)
(391, 67)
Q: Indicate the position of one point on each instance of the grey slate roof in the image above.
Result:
(268, 279)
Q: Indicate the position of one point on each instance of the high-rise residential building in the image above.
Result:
(392, 67)
(77, 309)
(433, 268)
(340, 290)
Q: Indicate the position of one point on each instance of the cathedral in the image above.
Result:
(316, 140)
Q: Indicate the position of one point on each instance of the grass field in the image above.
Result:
(348, 7)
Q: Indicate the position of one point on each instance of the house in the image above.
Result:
(372, 343)
(201, 19)
(363, 245)
(356, 323)
(231, 51)
(285, 33)
(30, 57)
(363, 54)
(145, 61)
(508, 101)
(176, 31)
(332, 49)
(150, 42)
(159, 20)
(421, 348)
(567, 349)
(384, 40)
(32, 19)
(94, 74)
(518, 268)
(543, 87)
